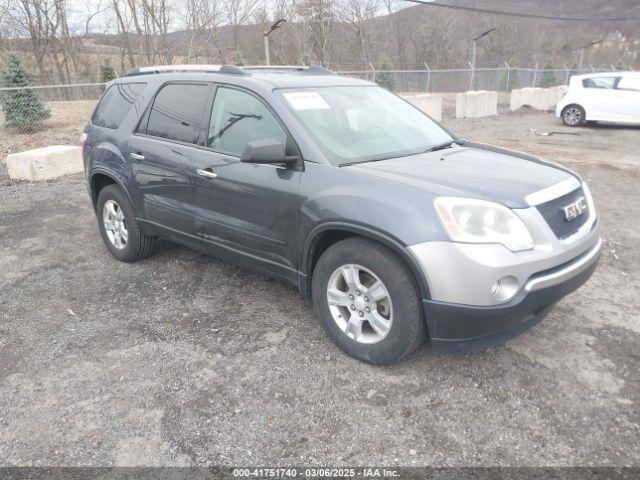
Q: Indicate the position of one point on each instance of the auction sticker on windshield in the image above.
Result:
(306, 100)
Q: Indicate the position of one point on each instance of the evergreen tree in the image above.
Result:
(238, 58)
(107, 72)
(305, 60)
(548, 76)
(384, 77)
(573, 70)
(23, 109)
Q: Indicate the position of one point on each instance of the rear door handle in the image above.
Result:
(136, 156)
(207, 172)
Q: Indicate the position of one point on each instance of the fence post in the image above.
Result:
(473, 74)
(428, 76)
(508, 76)
(591, 67)
(566, 75)
(373, 69)
(535, 76)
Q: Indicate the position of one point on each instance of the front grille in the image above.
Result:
(553, 213)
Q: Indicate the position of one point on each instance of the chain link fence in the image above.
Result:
(503, 79)
(57, 113)
(32, 109)
(34, 117)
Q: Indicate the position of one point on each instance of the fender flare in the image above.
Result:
(389, 241)
(112, 175)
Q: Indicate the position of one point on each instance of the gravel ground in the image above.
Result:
(186, 360)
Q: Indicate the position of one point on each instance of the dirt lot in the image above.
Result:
(186, 360)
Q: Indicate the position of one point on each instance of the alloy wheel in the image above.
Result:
(573, 116)
(359, 303)
(114, 224)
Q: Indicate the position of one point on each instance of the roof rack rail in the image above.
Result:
(310, 70)
(230, 69)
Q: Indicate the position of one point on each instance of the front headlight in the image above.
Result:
(477, 221)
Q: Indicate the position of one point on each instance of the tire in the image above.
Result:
(404, 326)
(117, 218)
(573, 115)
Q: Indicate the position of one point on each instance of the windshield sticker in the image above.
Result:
(306, 100)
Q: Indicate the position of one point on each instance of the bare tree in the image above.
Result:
(360, 16)
(119, 10)
(316, 20)
(397, 32)
(237, 13)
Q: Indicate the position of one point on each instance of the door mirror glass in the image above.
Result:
(268, 150)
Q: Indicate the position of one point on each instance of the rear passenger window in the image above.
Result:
(177, 112)
(116, 103)
(239, 118)
(606, 83)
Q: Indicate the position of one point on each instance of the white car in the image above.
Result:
(602, 97)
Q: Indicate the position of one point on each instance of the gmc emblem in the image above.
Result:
(575, 209)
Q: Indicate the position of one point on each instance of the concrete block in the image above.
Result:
(538, 98)
(475, 104)
(45, 163)
(430, 104)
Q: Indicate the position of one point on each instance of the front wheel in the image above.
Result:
(366, 301)
(573, 115)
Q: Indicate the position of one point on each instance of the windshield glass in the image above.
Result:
(360, 124)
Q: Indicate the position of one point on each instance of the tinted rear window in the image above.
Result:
(116, 103)
(177, 112)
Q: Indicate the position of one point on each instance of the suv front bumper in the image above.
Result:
(463, 313)
(464, 328)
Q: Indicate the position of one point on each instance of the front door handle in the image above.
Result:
(136, 156)
(207, 172)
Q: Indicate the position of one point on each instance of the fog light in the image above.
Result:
(505, 288)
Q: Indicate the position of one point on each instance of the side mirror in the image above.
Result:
(268, 150)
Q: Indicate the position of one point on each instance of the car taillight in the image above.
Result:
(83, 139)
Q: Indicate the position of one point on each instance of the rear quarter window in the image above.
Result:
(629, 83)
(116, 103)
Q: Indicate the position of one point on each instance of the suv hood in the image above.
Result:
(485, 173)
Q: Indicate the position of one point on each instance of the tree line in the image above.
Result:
(64, 44)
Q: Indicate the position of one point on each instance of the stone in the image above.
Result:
(474, 104)
(45, 163)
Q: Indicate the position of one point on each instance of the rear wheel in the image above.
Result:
(366, 301)
(573, 115)
(118, 227)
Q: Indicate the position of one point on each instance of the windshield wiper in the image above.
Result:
(442, 146)
(233, 119)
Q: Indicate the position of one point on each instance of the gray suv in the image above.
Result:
(397, 229)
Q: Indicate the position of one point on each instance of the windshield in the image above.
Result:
(360, 124)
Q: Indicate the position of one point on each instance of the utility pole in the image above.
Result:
(277, 24)
(473, 56)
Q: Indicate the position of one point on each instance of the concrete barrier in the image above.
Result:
(429, 103)
(45, 163)
(538, 98)
(480, 103)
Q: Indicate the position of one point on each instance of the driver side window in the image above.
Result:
(239, 118)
